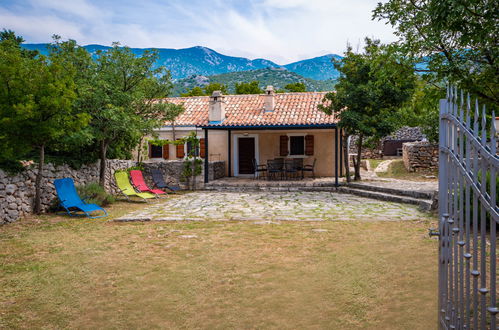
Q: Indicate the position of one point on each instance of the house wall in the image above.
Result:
(268, 146)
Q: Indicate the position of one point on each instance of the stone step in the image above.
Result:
(424, 204)
(266, 188)
(393, 191)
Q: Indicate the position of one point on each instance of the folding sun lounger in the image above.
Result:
(127, 189)
(71, 202)
(139, 183)
(159, 182)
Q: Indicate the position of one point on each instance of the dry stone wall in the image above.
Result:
(404, 133)
(420, 156)
(17, 191)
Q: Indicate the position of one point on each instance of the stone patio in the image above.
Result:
(272, 206)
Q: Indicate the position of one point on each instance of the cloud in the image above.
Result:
(282, 31)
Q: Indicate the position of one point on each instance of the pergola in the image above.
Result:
(338, 145)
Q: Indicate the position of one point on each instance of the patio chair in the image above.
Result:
(159, 182)
(71, 201)
(259, 169)
(139, 183)
(275, 169)
(309, 168)
(126, 188)
(298, 163)
(290, 169)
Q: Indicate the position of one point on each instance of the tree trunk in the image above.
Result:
(345, 158)
(173, 131)
(359, 156)
(38, 183)
(139, 150)
(102, 172)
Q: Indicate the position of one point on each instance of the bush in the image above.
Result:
(93, 193)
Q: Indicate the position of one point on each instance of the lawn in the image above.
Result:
(57, 272)
(397, 170)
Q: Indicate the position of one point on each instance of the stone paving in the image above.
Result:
(272, 206)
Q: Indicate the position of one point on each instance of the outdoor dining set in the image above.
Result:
(283, 169)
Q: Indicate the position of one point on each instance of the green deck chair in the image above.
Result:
(126, 188)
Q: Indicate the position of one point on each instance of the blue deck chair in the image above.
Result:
(71, 202)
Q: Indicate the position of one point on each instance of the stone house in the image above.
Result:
(242, 129)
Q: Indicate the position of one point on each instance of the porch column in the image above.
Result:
(336, 183)
(206, 161)
(229, 152)
(341, 152)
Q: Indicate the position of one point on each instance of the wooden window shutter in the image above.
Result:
(166, 151)
(150, 150)
(180, 151)
(202, 148)
(309, 145)
(283, 145)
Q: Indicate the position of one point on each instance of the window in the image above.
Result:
(189, 149)
(297, 145)
(156, 151)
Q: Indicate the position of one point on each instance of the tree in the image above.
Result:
(211, 87)
(454, 40)
(372, 87)
(36, 97)
(296, 87)
(248, 88)
(122, 102)
(164, 112)
(195, 91)
(17, 41)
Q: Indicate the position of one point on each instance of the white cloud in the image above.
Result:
(282, 31)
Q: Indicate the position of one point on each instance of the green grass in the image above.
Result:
(59, 272)
(397, 170)
(373, 163)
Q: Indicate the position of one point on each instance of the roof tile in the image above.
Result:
(247, 110)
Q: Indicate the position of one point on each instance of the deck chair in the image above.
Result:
(126, 188)
(139, 183)
(71, 201)
(159, 182)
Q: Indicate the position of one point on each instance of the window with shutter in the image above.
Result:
(180, 151)
(202, 148)
(283, 146)
(296, 145)
(155, 151)
(309, 145)
(166, 151)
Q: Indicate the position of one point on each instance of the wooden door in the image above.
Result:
(246, 154)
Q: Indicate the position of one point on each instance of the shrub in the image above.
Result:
(93, 193)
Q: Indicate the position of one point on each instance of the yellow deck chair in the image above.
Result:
(126, 188)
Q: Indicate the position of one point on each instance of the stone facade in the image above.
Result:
(420, 156)
(404, 133)
(17, 191)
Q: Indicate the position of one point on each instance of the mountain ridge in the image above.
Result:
(200, 60)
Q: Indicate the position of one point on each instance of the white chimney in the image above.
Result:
(269, 102)
(217, 108)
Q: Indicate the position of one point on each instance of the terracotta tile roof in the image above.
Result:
(247, 110)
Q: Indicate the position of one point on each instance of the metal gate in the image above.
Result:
(468, 215)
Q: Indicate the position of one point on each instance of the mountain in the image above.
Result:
(277, 77)
(203, 61)
(318, 68)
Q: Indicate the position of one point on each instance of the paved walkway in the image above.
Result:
(272, 206)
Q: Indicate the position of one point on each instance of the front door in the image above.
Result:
(246, 154)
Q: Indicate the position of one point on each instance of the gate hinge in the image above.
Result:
(433, 232)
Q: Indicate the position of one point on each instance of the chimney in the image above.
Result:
(269, 102)
(217, 108)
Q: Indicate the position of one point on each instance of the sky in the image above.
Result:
(283, 31)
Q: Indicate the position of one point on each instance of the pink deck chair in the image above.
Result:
(139, 183)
